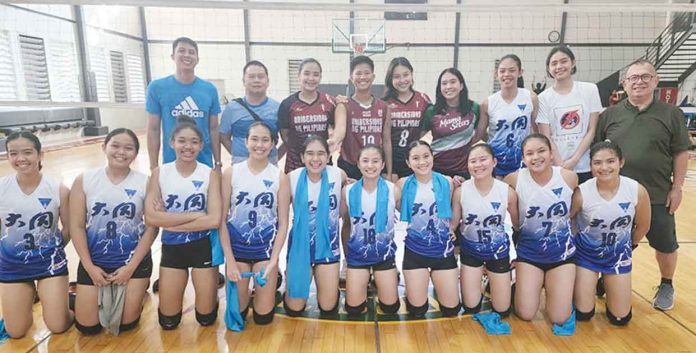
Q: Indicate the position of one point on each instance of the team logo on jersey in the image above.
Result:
(557, 191)
(188, 107)
(495, 205)
(44, 202)
(197, 184)
(521, 106)
(268, 183)
(130, 192)
(624, 205)
(570, 120)
(331, 186)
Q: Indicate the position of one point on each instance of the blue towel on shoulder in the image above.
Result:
(3, 332)
(233, 319)
(355, 203)
(299, 269)
(568, 327)
(492, 324)
(218, 256)
(441, 189)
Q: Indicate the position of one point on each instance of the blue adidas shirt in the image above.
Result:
(168, 98)
(236, 121)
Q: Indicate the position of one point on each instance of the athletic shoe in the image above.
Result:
(664, 297)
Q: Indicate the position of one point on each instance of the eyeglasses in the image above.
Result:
(635, 78)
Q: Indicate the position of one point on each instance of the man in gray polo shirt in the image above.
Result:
(654, 141)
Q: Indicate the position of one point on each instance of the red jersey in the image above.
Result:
(363, 126)
(302, 119)
(406, 120)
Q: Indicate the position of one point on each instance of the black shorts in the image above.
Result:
(495, 266)
(413, 261)
(380, 266)
(662, 235)
(38, 278)
(144, 270)
(351, 170)
(250, 262)
(583, 177)
(196, 254)
(547, 267)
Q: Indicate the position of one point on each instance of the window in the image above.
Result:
(293, 68)
(33, 56)
(99, 75)
(136, 80)
(412, 16)
(8, 81)
(118, 77)
(62, 69)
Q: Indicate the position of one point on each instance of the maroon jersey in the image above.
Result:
(302, 119)
(363, 126)
(452, 138)
(406, 120)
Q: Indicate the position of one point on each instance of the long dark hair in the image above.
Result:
(465, 104)
(390, 91)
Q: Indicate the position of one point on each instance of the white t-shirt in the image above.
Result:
(568, 117)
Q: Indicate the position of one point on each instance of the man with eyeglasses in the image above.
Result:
(654, 141)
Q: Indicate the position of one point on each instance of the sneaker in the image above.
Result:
(664, 297)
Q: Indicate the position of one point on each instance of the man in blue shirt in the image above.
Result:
(236, 118)
(182, 94)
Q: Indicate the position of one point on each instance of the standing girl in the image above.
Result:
(309, 112)
(545, 249)
(183, 198)
(109, 233)
(613, 216)
(481, 204)
(313, 248)
(32, 245)
(249, 198)
(452, 121)
(426, 207)
(406, 107)
(509, 115)
(368, 220)
(568, 113)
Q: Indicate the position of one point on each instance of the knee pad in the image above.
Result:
(417, 311)
(290, 312)
(504, 314)
(88, 330)
(474, 310)
(129, 326)
(169, 322)
(334, 310)
(451, 312)
(391, 308)
(619, 322)
(207, 319)
(582, 316)
(355, 310)
(264, 319)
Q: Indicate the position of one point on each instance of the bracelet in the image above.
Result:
(218, 164)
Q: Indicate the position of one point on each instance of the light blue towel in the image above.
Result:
(355, 203)
(492, 324)
(233, 319)
(3, 332)
(218, 257)
(299, 269)
(568, 327)
(441, 189)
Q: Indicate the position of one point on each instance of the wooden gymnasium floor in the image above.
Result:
(649, 331)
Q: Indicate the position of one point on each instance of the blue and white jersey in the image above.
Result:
(31, 245)
(114, 219)
(483, 220)
(181, 195)
(253, 218)
(334, 175)
(605, 228)
(427, 234)
(545, 235)
(365, 246)
(508, 125)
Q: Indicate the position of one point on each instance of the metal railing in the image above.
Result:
(682, 25)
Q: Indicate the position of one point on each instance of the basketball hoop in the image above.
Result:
(358, 42)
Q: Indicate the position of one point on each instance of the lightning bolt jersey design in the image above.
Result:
(508, 125)
(334, 174)
(114, 219)
(427, 234)
(253, 218)
(366, 247)
(184, 194)
(605, 226)
(545, 235)
(483, 220)
(31, 245)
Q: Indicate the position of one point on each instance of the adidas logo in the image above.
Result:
(188, 107)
